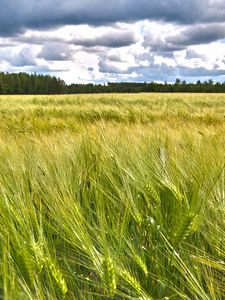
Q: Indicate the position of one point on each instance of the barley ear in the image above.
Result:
(131, 280)
(108, 276)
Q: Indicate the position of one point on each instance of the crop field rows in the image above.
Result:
(112, 197)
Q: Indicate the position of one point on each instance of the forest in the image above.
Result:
(23, 83)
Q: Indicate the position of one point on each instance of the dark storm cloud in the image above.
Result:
(15, 17)
(113, 39)
(191, 35)
(199, 34)
(215, 11)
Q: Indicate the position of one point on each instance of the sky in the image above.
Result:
(98, 41)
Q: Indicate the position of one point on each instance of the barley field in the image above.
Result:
(117, 196)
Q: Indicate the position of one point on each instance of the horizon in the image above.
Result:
(165, 82)
(98, 42)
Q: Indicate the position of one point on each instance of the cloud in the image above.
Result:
(44, 69)
(56, 52)
(102, 40)
(161, 71)
(198, 34)
(164, 72)
(114, 63)
(161, 45)
(106, 66)
(53, 13)
(200, 72)
(39, 39)
(191, 54)
(165, 42)
(215, 11)
(23, 57)
(31, 69)
(112, 39)
(115, 58)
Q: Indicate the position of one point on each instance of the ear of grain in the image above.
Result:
(188, 225)
(141, 263)
(131, 280)
(57, 275)
(109, 276)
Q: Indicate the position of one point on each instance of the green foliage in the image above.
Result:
(108, 209)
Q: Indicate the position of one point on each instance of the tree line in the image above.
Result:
(23, 83)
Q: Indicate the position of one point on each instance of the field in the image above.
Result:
(112, 197)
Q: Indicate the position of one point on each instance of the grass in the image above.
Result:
(60, 113)
(96, 204)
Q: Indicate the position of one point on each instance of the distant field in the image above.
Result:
(117, 196)
(47, 113)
